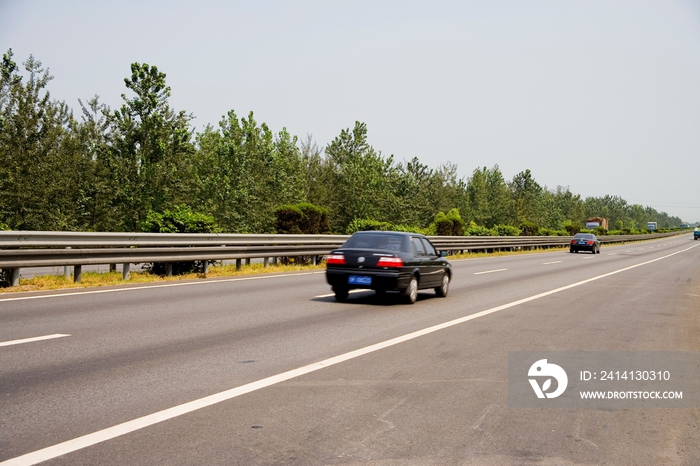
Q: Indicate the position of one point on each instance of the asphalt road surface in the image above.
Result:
(270, 369)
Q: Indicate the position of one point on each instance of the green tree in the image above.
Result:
(487, 195)
(41, 168)
(526, 198)
(358, 175)
(151, 147)
(245, 172)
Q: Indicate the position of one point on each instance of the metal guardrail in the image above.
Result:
(20, 249)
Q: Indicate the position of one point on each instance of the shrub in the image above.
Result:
(302, 218)
(288, 219)
(457, 222)
(180, 220)
(3, 226)
(506, 230)
(314, 219)
(412, 229)
(600, 231)
(570, 228)
(546, 232)
(528, 229)
(443, 225)
(477, 230)
(366, 224)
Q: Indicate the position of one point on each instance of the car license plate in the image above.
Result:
(359, 280)
(581, 242)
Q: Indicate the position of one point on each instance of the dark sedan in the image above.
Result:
(585, 242)
(388, 261)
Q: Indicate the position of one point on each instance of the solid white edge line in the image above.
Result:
(33, 339)
(164, 285)
(489, 271)
(109, 433)
(548, 263)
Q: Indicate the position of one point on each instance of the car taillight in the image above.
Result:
(390, 262)
(573, 241)
(590, 242)
(335, 259)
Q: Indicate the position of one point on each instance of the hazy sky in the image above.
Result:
(599, 96)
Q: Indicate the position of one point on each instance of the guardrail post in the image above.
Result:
(266, 262)
(205, 266)
(238, 264)
(274, 260)
(77, 273)
(125, 271)
(14, 277)
(247, 261)
(112, 267)
(66, 270)
(168, 269)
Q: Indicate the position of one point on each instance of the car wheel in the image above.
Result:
(341, 294)
(571, 250)
(444, 288)
(411, 291)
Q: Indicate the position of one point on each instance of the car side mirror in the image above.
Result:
(443, 253)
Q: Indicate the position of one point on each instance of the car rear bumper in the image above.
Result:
(576, 247)
(382, 280)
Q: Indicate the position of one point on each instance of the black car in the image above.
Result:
(585, 242)
(388, 261)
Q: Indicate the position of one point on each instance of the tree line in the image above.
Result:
(115, 169)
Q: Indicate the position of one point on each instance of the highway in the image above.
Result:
(269, 369)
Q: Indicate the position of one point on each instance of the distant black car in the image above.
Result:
(388, 261)
(585, 242)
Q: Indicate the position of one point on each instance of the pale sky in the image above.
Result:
(599, 96)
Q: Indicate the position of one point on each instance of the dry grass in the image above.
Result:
(93, 279)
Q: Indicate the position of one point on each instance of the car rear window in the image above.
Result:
(370, 241)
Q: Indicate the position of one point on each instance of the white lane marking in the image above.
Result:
(612, 254)
(489, 271)
(555, 262)
(333, 294)
(109, 433)
(165, 285)
(691, 294)
(33, 339)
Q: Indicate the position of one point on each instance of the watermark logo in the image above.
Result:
(543, 369)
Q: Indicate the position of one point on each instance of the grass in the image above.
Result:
(94, 279)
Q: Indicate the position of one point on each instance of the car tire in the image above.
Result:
(411, 291)
(571, 250)
(442, 290)
(341, 294)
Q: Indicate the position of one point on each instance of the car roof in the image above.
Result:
(380, 232)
